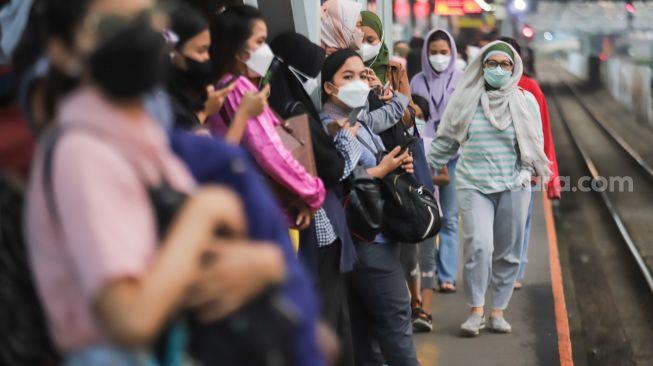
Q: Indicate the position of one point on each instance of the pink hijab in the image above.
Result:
(339, 18)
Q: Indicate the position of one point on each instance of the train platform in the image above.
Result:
(537, 313)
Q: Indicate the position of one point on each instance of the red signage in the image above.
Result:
(456, 7)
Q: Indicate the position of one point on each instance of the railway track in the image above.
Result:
(640, 251)
(607, 234)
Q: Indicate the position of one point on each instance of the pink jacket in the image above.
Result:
(263, 142)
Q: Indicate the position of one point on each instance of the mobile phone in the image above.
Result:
(352, 118)
(265, 80)
(228, 81)
(407, 145)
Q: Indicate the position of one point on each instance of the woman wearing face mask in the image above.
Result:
(379, 298)
(341, 25)
(498, 126)
(191, 73)
(326, 246)
(243, 54)
(377, 57)
(108, 281)
(435, 83)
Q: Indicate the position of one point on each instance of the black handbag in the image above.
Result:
(410, 210)
(363, 206)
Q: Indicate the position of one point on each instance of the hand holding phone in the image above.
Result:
(405, 146)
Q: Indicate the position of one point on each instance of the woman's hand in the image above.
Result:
(390, 162)
(234, 272)
(215, 98)
(407, 165)
(133, 309)
(387, 95)
(253, 103)
(373, 80)
(304, 217)
(442, 179)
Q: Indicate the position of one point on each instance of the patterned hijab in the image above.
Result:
(339, 18)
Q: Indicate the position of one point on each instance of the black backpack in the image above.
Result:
(410, 210)
(24, 337)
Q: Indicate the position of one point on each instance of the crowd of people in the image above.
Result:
(178, 145)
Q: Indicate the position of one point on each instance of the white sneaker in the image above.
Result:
(473, 325)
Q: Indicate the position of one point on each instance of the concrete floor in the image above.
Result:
(531, 313)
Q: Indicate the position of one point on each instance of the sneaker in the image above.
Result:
(498, 324)
(423, 322)
(473, 325)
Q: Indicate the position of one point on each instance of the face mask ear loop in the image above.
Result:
(334, 85)
(377, 55)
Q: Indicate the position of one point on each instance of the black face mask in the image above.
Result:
(130, 63)
(199, 74)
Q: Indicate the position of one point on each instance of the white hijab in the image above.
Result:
(501, 107)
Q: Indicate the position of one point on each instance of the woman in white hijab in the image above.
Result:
(341, 25)
(499, 128)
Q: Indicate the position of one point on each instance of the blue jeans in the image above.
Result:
(446, 256)
(527, 234)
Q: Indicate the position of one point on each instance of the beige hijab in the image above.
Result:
(501, 107)
(339, 19)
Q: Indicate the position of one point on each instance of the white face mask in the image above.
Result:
(461, 64)
(439, 62)
(369, 51)
(354, 94)
(420, 124)
(260, 60)
(308, 83)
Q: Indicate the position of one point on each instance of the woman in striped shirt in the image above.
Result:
(498, 126)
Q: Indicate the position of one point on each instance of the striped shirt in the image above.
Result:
(490, 160)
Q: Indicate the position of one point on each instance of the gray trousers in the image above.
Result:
(380, 308)
(427, 264)
(492, 234)
(422, 253)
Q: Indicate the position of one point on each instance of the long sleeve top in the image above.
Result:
(490, 160)
(553, 187)
(383, 118)
(264, 144)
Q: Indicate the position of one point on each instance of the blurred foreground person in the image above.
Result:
(112, 260)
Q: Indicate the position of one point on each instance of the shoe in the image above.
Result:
(423, 322)
(519, 285)
(473, 325)
(498, 324)
(447, 288)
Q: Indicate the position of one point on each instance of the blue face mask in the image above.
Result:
(496, 77)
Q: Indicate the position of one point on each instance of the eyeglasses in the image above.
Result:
(505, 65)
